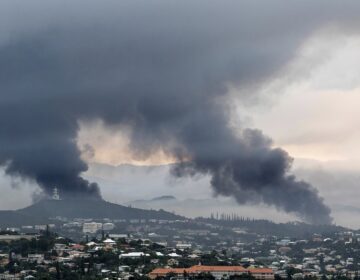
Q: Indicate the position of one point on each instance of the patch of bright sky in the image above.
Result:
(312, 110)
(110, 145)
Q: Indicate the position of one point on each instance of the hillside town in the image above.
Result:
(185, 249)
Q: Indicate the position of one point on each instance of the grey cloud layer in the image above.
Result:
(161, 68)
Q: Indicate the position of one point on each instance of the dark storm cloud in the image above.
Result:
(163, 69)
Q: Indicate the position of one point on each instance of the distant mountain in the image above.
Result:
(141, 203)
(164, 197)
(42, 211)
(155, 199)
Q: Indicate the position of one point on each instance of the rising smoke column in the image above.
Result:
(162, 69)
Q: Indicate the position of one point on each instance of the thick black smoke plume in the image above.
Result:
(162, 68)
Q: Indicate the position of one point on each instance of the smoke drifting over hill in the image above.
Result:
(163, 70)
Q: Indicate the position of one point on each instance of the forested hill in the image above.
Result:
(41, 212)
(96, 209)
(266, 227)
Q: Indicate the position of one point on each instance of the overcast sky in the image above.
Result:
(228, 93)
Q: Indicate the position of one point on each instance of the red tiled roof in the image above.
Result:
(164, 271)
(205, 268)
(202, 268)
(260, 270)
